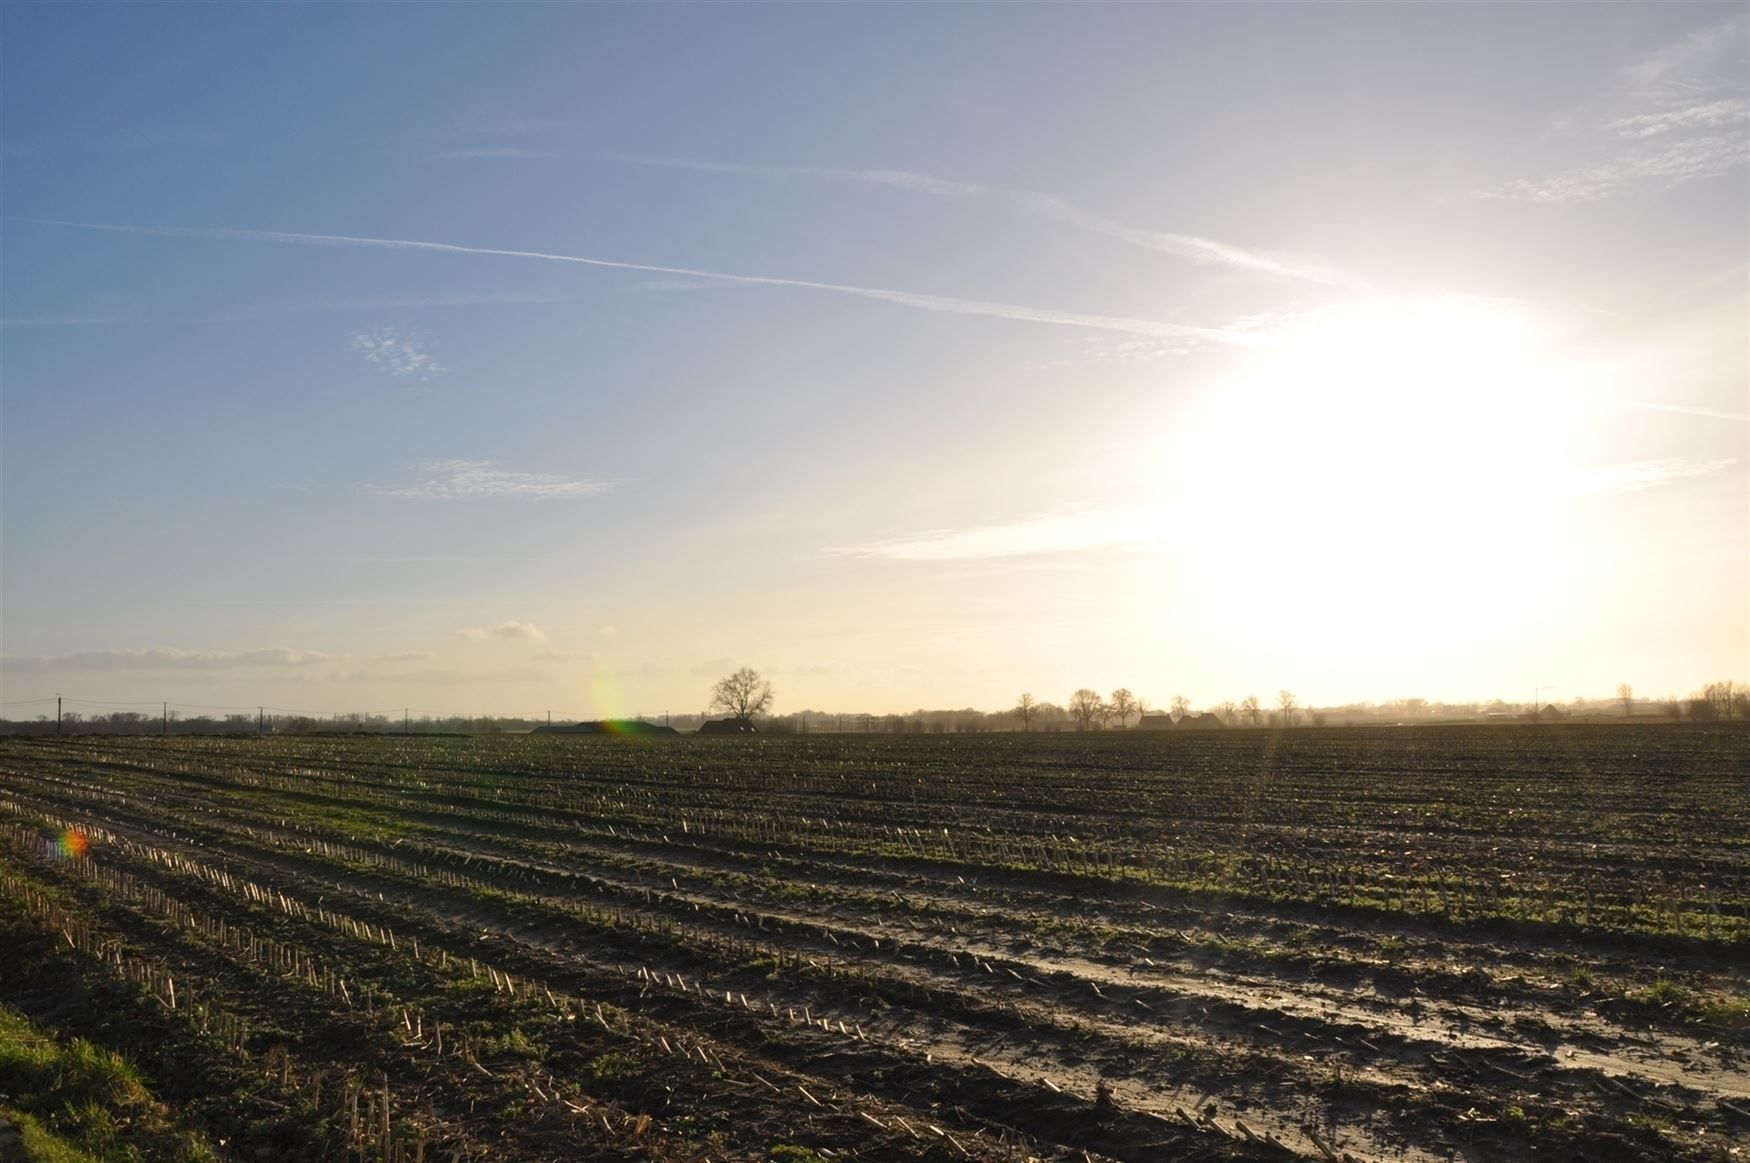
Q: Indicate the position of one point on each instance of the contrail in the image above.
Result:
(922, 302)
(1203, 251)
(1686, 410)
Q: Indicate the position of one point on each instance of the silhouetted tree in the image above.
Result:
(1085, 707)
(742, 695)
(1727, 698)
(1285, 702)
(1025, 707)
(1253, 711)
(1123, 703)
(1626, 693)
(1181, 706)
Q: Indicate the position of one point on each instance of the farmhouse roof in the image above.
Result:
(1207, 721)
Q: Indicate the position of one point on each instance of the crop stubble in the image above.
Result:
(1406, 943)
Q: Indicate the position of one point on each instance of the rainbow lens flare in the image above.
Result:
(69, 845)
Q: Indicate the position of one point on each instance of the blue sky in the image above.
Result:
(1366, 350)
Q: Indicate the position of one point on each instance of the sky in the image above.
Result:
(508, 358)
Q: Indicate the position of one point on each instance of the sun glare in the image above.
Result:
(1383, 460)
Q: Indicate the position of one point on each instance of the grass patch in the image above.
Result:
(1663, 992)
(76, 1101)
(1733, 1011)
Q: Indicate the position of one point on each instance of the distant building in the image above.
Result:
(606, 727)
(728, 727)
(1207, 721)
(1162, 722)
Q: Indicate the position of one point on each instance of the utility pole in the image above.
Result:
(57, 714)
(166, 717)
(261, 720)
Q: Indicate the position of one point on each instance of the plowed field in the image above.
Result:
(1482, 943)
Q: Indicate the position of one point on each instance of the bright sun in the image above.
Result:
(1382, 461)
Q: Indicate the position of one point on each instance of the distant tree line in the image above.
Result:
(1088, 710)
(751, 696)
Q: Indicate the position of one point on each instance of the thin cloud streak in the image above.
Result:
(509, 630)
(465, 480)
(491, 151)
(383, 303)
(167, 658)
(1640, 475)
(1680, 116)
(1688, 410)
(920, 301)
(1203, 251)
(294, 307)
(1672, 165)
(428, 559)
(1059, 531)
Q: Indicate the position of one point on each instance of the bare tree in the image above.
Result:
(1626, 693)
(1228, 712)
(1181, 706)
(742, 695)
(1727, 698)
(1025, 707)
(1254, 713)
(1285, 702)
(1123, 703)
(1673, 709)
(1085, 707)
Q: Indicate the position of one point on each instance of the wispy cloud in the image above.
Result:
(466, 480)
(565, 656)
(508, 630)
(1681, 61)
(494, 123)
(336, 305)
(377, 303)
(919, 301)
(1700, 115)
(1677, 115)
(428, 558)
(1690, 410)
(1665, 165)
(141, 141)
(476, 679)
(396, 350)
(167, 658)
(67, 320)
(1204, 251)
(408, 656)
(491, 151)
(1059, 531)
(1640, 475)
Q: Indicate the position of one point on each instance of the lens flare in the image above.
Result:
(604, 689)
(70, 844)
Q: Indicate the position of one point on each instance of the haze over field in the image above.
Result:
(496, 358)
